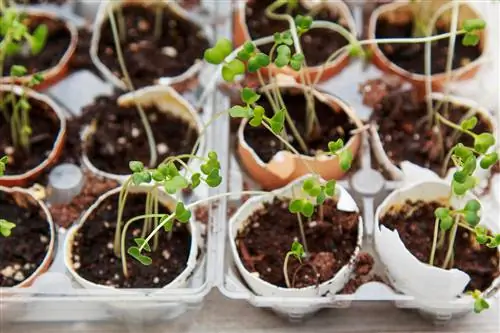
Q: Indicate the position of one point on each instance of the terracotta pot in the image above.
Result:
(239, 220)
(47, 260)
(435, 290)
(418, 80)
(181, 82)
(395, 171)
(24, 179)
(241, 35)
(167, 100)
(167, 201)
(286, 166)
(58, 72)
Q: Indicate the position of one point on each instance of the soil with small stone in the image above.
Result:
(148, 58)
(335, 124)
(405, 134)
(120, 136)
(58, 41)
(271, 230)
(94, 259)
(317, 44)
(45, 126)
(414, 222)
(411, 56)
(24, 250)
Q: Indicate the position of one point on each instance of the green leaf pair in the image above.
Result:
(297, 251)
(143, 177)
(3, 164)
(471, 212)
(247, 51)
(472, 27)
(302, 206)
(303, 23)
(443, 214)
(283, 38)
(258, 61)
(283, 56)
(277, 122)
(181, 213)
(480, 304)
(175, 184)
(217, 54)
(136, 253)
(483, 142)
(232, 69)
(345, 156)
(6, 227)
(211, 164)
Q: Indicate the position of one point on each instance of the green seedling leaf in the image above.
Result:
(239, 111)
(219, 52)
(283, 57)
(480, 305)
(345, 159)
(303, 23)
(469, 124)
(6, 227)
(258, 116)
(471, 25)
(470, 39)
(181, 213)
(320, 198)
(258, 61)
(212, 155)
(246, 52)
(38, 39)
(136, 254)
(296, 61)
(462, 151)
(232, 69)
(460, 176)
(24, 104)
(481, 235)
(298, 250)
(249, 96)
(356, 50)
(470, 165)
(446, 223)
(315, 191)
(330, 188)
(472, 218)
(214, 179)
(308, 184)
(195, 180)
(136, 166)
(157, 176)
(139, 178)
(18, 71)
(488, 160)
(472, 205)
(171, 170)
(3, 164)
(167, 226)
(483, 142)
(141, 242)
(36, 79)
(461, 188)
(175, 184)
(442, 212)
(283, 38)
(307, 209)
(335, 146)
(277, 122)
(295, 206)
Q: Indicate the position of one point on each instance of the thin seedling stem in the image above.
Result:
(434, 242)
(451, 245)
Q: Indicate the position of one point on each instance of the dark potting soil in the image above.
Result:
(45, 127)
(317, 44)
(182, 43)
(81, 59)
(334, 125)
(405, 134)
(415, 225)
(120, 136)
(58, 41)
(24, 250)
(94, 259)
(270, 232)
(411, 56)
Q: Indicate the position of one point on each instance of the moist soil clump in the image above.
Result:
(335, 124)
(181, 45)
(94, 259)
(317, 44)
(24, 250)
(45, 127)
(411, 56)
(404, 132)
(58, 41)
(415, 225)
(120, 136)
(270, 232)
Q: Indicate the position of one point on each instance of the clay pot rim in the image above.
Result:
(414, 76)
(385, 206)
(195, 120)
(60, 134)
(343, 11)
(49, 73)
(236, 222)
(51, 246)
(165, 199)
(322, 97)
(102, 17)
(381, 155)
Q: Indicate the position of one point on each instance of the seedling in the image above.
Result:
(5, 226)
(297, 251)
(16, 38)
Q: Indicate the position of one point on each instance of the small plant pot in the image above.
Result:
(397, 172)
(57, 115)
(166, 100)
(241, 35)
(285, 166)
(26, 198)
(242, 220)
(56, 72)
(435, 290)
(401, 11)
(140, 68)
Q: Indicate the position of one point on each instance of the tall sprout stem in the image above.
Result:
(285, 270)
(122, 199)
(158, 20)
(434, 242)
(122, 27)
(130, 86)
(451, 245)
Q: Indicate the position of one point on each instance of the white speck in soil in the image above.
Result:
(307, 39)
(106, 224)
(143, 25)
(169, 51)
(135, 132)
(162, 148)
(166, 254)
(100, 272)
(112, 260)
(121, 140)
(136, 232)
(268, 269)
(156, 280)
(76, 265)
(7, 271)
(313, 224)
(26, 266)
(44, 239)
(116, 277)
(153, 117)
(76, 257)
(109, 245)
(272, 143)
(416, 136)
(256, 225)
(9, 150)
(19, 276)
(17, 267)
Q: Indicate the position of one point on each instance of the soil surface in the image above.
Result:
(58, 41)
(411, 56)
(45, 127)
(405, 134)
(362, 274)
(415, 225)
(65, 215)
(94, 259)
(317, 44)
(270, 232)
(181, 44)
(24, 250)
(120, 136)
(334, 125)
(81, 58)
